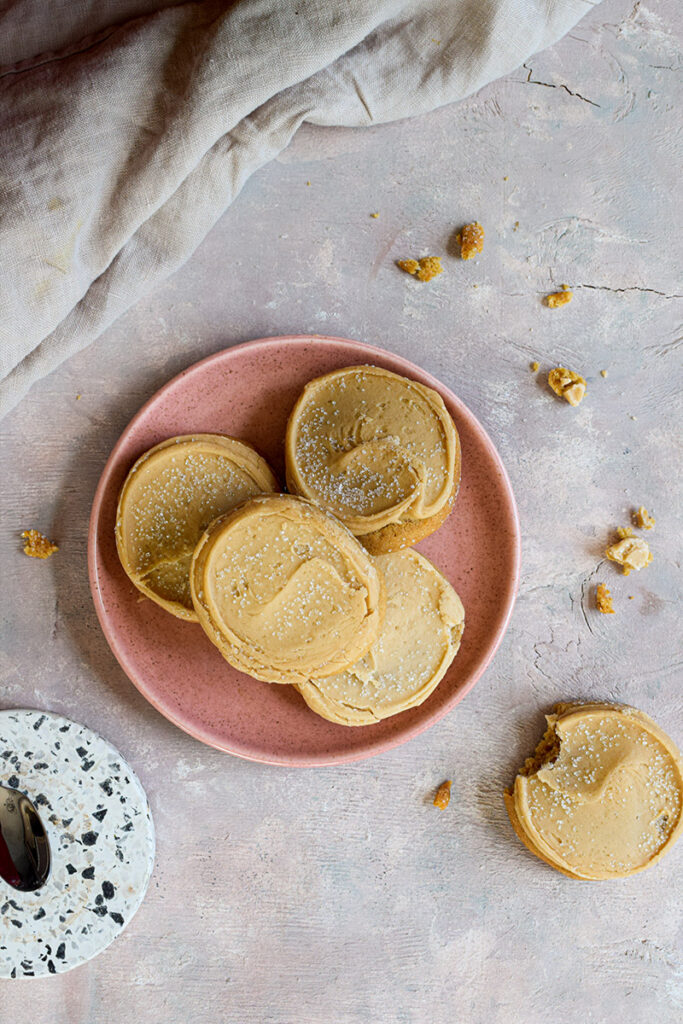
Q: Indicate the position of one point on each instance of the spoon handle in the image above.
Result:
(7, 868)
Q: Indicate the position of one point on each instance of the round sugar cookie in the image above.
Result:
(168, 499)
(284, 591)
(421, 635)
(376, 449)
(602, 795)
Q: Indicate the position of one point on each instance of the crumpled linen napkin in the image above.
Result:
(122, 150)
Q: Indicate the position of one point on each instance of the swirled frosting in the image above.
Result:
(169, 498)
(420, 636)
(602, 796)
(285, 592)
(373, 448)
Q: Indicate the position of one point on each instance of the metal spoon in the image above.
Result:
(24, 846)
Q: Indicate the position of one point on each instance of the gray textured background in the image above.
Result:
(340, 896)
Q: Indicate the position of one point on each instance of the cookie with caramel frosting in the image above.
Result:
(377, 450)
(602, 796)
(417, 643)
(285, 592)
(168, 499)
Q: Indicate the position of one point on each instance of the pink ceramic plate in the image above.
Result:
(248, 391)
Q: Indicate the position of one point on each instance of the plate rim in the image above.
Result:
(301, 761)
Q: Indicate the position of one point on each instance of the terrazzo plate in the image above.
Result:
(101, 839)
(248, 391)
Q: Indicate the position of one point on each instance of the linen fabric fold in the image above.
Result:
(123, 148)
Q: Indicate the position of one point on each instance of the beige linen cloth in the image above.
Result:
(128, 127)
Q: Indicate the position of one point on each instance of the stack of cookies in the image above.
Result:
(318, 588)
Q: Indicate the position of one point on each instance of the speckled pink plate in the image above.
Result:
(248, 391)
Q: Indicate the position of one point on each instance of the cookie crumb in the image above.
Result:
(308, 183)
(631, 597)
(603, 373)
(78, 398)
(375, 215)
(37, 545)
(515, 226)
(409, 266)
(643, 519)
(567, 384)
(624, 531)
(534, 367)
(630, 553)
(424, 269)
(430, 266)
(556, 299)
(603, 600)
(443, 795)
(471, 240)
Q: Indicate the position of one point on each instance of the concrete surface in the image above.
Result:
(341, 896)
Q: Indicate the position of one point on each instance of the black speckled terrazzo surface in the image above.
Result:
(101, 838)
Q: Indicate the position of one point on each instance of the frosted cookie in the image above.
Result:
(168, 499)
(601, 796)
(421, 635)
(285, 592)
(377, 450)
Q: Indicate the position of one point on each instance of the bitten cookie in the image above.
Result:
(168, 499)
(378, 450)
(284, 591)
(421, 635)
(601, 797)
